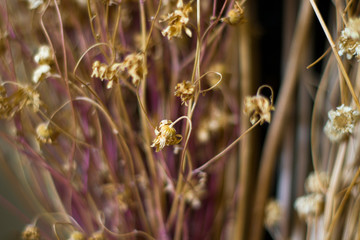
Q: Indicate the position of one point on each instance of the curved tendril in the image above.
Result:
(212, 87)
(271, 97)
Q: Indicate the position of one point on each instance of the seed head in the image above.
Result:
(310, 206)
(185, 91)
(196, 191)
(177, 21)
(30, 233)
(317, 182)
(341, 123)
(235, 15)
(165, 135)
(272, 213)
(258, 107)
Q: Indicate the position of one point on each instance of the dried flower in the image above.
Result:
(30, 232)
(44, 134)
(44, 55)
(272, 214)
(310, 206)
(259, 108)
(133, 65)
(341, 123)
(105, 72)
(349, 41)
(185, 91)
(317, 182)
(40, 73)
(235, 15)
(76, 235)
(165, 135)
(196, 191)
(177, 21)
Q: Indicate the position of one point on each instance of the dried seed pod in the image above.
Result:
(185, 91)
(30, 232)
(235, 15)
(165, 135)
(310, 206)
(258, 108)
(317, 182)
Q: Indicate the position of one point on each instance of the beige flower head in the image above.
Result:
(317, 182)
(349, 40)
(310, 206)
(185, 91)
(105, 72)
(235, 15)
(45, 134)
(177, 21)
(30, 232)
(259, 107)
(165, 135)
(41, 72)
(341, 123)
(272, 213)
(76, 235)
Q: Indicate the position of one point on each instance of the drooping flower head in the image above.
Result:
(165, 135)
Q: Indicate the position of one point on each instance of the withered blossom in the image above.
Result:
(133, 65)
(185, 91)
(273, 213)
(317, 182)
(44, 133)
(165, 135)
(235, 15)
(196, 191)
(258, 108)
(177, 21)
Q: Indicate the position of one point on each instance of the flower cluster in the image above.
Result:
(349, 41)
(132, 65)
(177, 21)
(185, 91)
(45, 134)
(317, 182)
(341, 123)
(165, 135)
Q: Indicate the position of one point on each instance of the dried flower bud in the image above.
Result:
(40, 73)
(165, 135)
(349, 40)
(185, 91)
(272, 214)
(259, 108)
(177, 21)
(341, 123)
(317, 182)
(30, 232)
(235, 15)
(44, 134)
(44, 55)
(76, 235)
(310, 206)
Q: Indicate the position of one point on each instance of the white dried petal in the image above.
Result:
(40, 72)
